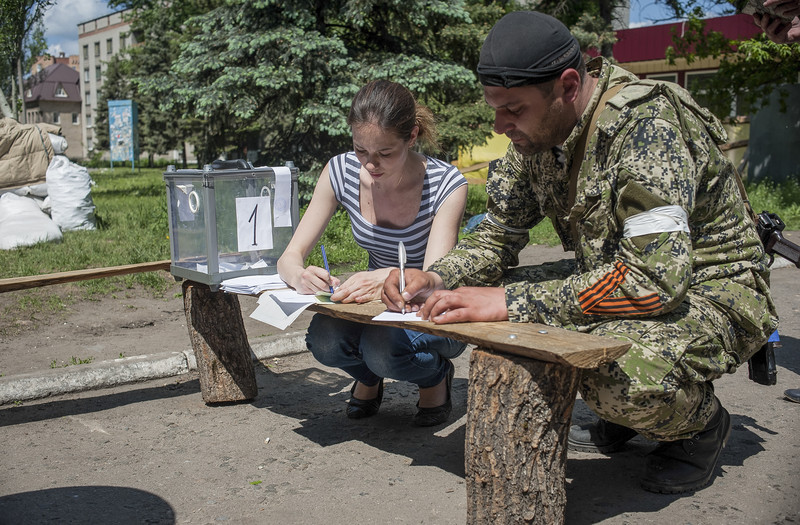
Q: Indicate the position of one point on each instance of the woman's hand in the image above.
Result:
(361, 287)
(314, 279)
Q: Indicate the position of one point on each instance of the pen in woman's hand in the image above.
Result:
(327, 269)
(401, 257)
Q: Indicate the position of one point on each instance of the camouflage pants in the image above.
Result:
(662, 387)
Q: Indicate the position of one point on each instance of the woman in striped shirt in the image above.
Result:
(391, 193)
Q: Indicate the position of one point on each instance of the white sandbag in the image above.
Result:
(22, 223)
(36, 190)
(59, 143)
(69, 189)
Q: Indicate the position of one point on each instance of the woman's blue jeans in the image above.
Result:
(371, 352)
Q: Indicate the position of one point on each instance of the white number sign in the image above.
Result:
(253, 223)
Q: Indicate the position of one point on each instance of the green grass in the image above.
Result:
(131, 228)
(71, 362)
(783, 199)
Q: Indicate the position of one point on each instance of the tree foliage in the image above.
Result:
(20, 28)
(749, 70)
(279, 76)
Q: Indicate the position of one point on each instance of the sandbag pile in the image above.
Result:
(58, 195)
(69, 188)
(23, 223)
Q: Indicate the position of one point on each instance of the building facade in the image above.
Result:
(98, 41)
(53, 96)
(643, 50)
(42, 62)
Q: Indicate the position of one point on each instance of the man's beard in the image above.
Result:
(556, 131)
(528, 147)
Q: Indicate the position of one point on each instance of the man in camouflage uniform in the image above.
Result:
(666, 256)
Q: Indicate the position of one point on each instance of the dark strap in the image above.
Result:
(580, 147)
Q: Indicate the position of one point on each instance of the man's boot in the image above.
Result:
(601, 437)
(688, 464)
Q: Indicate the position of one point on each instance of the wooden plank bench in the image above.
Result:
(523, 381)
(12, 284)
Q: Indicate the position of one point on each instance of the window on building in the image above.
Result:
(123, 41)
(109, 46)
(60, 92)
(86, 75)
(56, 118)
(97, 49)
(697, 85)
(98, 73)
(76, 118)
(88, 121)
(86, 52)
(664, 77)
(88, 99)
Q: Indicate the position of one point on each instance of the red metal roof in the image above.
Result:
(650, 43)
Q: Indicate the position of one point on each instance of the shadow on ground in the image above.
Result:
(90, 504)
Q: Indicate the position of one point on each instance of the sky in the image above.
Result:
(61, 23)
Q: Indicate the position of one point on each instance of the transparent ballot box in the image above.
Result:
(229, 219)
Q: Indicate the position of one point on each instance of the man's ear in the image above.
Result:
(571, 85)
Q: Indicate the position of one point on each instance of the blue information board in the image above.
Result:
(123, 136)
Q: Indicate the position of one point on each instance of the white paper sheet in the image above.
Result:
(252, 284)
(283, 196)
(397, 316)
(280, 308)
(271, 312)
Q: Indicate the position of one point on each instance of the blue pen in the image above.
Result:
(325, 260)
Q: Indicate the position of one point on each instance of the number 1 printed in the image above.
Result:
(253, 224)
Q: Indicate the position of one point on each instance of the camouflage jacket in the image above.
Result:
(654, 147)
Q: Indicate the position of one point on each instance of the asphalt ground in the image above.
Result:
(128, 445)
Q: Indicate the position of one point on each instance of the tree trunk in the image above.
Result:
(14, 97)
(6, 110)
(518, 419)
(23, 118)
(219, 340)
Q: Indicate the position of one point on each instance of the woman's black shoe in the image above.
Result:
(361, 408)
(428, 417)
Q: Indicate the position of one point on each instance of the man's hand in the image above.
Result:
(468, 303)
(777, 30)
(419, 286)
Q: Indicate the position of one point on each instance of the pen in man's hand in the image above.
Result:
(327, 269)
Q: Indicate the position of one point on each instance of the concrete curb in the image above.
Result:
(37, 385)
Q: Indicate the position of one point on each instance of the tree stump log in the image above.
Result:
(219, 340)
(518, 419)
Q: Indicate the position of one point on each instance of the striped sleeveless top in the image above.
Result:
(441, 179)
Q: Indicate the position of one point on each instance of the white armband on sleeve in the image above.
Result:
(658, 220)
